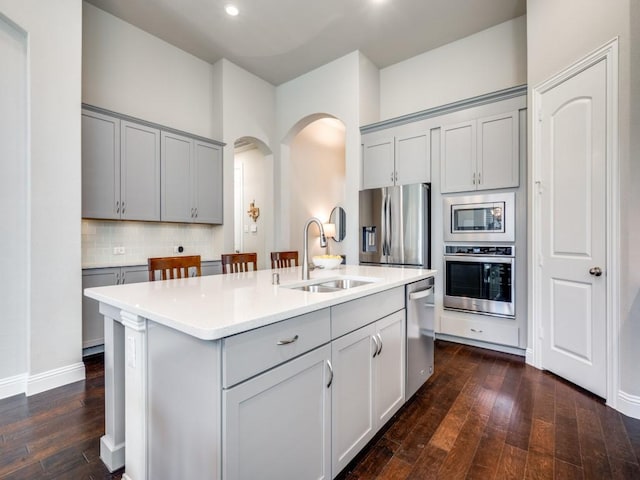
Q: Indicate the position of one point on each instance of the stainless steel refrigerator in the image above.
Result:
(394, 225)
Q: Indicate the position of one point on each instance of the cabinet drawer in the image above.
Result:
(249, 353)
(479, 330)
(352, 315)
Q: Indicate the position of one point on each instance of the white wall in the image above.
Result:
(487, 61)
(129, 71)
(248, 110)
(13, 202)
(54, 340)
(254, 188)
(330, 90)
(560, 33)
(318, 167)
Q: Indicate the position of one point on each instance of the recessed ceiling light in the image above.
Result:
(231, 10)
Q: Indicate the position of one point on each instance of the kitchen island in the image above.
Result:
(230, 376)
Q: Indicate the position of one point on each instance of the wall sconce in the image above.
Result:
(254, 212)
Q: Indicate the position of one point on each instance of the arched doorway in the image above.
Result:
(317, 171)
(253, 185)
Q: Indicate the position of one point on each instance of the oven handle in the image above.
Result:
(474, 259)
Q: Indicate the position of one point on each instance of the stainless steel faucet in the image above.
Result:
(305, 244)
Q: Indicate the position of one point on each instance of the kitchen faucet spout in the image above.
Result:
(305, 244)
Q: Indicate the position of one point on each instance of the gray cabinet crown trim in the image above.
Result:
(122, 116)
(448, 108)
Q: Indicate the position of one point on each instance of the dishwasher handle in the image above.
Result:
(421, 294)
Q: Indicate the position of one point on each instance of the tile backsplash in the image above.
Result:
(141, 240)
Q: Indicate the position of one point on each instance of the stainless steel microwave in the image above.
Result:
(480, 218)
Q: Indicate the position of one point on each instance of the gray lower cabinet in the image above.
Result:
(191, 189)
(277, 425)
(120, 169)
(92, 320)
(211, 267)
(369, 384)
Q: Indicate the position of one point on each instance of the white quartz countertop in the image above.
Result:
(217, 306)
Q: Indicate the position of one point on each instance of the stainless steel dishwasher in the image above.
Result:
(420, 333)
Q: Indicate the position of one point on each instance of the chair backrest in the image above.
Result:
(238, 262)
(284, 259)
(173, 267)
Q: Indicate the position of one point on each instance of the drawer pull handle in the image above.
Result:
(375, 340)
(331, 372)
(476, 331)
(380, 350)
(287, 341)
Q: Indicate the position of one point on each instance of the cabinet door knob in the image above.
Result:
(375, 340)
(330, 372)
(118, 206)
(479, 178)
(473, 178)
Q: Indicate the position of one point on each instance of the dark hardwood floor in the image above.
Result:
(482, 415)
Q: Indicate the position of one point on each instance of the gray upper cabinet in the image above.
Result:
(100, 166)
(139, 172)
(120, 169)
(481, 154)
(191, 180)
(177, 201)
(396, 156)
(207, 182)
(135, 170)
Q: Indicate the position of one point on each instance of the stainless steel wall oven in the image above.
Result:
(480, 279)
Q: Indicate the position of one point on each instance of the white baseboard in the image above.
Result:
(628, 404)
(54, 378)
(11, 386)
(528, 358)
(476, 343)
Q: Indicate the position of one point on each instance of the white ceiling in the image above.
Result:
(281, 39)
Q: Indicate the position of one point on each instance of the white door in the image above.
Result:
(572, 218)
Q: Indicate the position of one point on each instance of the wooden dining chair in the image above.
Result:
(173, 267)
(284, 259)
(238, 262)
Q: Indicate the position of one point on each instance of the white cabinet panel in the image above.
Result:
(255, 351)
(459, 157)
(369, 384)
(378, 168)
(396, 156)
(498, 165)
(352, 396)
(481, 154)
(277, 425)
(412, 159)
(390, 366)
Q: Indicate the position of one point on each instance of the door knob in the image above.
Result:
(596, 271)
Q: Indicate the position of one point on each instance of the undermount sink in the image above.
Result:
(329, 285)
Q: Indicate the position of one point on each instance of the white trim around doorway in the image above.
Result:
(608, 52)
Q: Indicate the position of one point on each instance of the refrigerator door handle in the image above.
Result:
(383, 223)
(389, 226)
